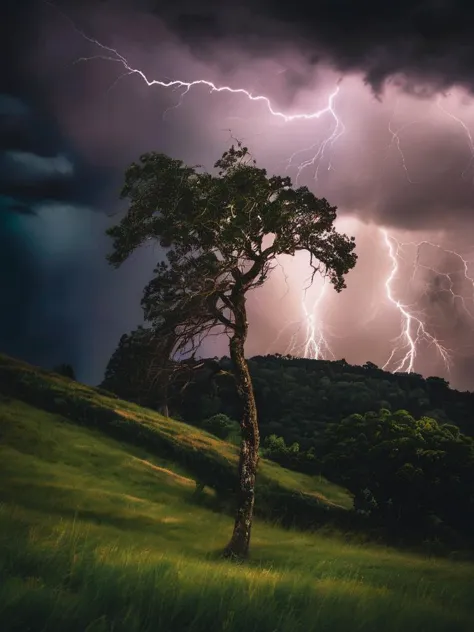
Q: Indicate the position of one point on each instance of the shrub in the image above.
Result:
(220, 425)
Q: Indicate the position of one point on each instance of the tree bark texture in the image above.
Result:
(239, 543)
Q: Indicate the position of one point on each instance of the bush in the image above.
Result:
(220, 425)
(408, 472)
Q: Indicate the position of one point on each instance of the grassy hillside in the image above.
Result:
(101, 534)
(208, 460)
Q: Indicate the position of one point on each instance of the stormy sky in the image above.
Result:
(395, 154)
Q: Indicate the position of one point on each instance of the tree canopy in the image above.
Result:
(406, 470)
(221, 233)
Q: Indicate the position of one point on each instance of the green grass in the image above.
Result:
(98, 534)
(284, 495)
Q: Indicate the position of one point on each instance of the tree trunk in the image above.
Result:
(161, 371)
(248, 461)
(163, 395)
(163, 410)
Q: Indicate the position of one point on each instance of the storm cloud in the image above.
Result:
(405, 181)
(395, 151)
(426, 45)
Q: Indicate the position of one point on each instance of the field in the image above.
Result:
(99, 532)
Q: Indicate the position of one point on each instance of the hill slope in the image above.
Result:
(208, 460)
(98, 534)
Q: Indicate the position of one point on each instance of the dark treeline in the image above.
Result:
(297, 397)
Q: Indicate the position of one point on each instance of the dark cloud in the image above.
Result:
(15, 205)
(427, 40)
(430, 186)
(110, 120)
(421, 44)
(13, 112)
(68, 130)
(25, 168)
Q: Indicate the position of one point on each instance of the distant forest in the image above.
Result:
(296, 397)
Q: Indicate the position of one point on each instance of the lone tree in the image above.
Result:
(222, 234)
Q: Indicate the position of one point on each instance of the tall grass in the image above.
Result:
(69, 581)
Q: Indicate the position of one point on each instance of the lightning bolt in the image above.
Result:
(307, 340)
(447, 276)
(466, 130)
(319, 149)
(114, 56)
(315, 345)
(414, 331)
(396, 139)
(397, 142)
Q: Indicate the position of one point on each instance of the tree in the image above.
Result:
(66, 370)
(135, 367)
(404, 470)
(222, 234)
(220, 425)
(142, 371)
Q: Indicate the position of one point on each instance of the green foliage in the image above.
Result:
(129, 371)
(222, 234)
(291, 456)
(275, 448)
(297, 397)
(409, 472)
(221, 426)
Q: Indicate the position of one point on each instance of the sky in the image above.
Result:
(367, 103)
